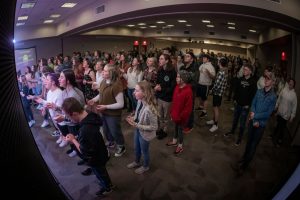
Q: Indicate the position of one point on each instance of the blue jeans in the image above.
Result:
(241, 114)
(254, 137)
(132, 98)
(112, 129)
(102, 175)
(141, 146)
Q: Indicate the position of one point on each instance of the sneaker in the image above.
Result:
(133, 165)
(213, 128)
(63, 143)
(69, 151)
(187, 130)
(120, 151)
(31, 123)
(170, 144)
(60, 139)
(72, 154)
(178, 150)
(88, 171)
(228, 134)
(45, 124)
(210, 122)
(203, 114)
(55, 133)
(104, 192)
(141, 170)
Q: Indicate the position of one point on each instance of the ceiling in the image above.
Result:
(198, 32)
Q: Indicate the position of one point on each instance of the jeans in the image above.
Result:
(240, 113)
(141, 146)
(178, 133)
(103, 176)
(280, 129)
(112, 129)
(132, 98)
(254, 137)
(28, 113)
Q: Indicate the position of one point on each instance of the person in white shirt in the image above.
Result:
(207, 74)
(99, 68)
(286, 107)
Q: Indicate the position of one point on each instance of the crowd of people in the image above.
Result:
(84, 97)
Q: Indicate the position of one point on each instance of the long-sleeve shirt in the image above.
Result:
(263, 105)
(167, 81)
(133, 78)
(220, 83)
(287, 103)
(245, 91)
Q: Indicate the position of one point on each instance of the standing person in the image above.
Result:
(262, 107)
(286, 107)
(182, 106)
(89, 78)
(110, 102)
(24, 92)
(89, 142)
(99, 68)
(165, 84)
(218, 90)
(145, 123)
(150, 73)
(207, 74)
(243, 95)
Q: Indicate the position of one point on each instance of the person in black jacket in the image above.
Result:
(165, 84)
(89, 142)
(243, 95)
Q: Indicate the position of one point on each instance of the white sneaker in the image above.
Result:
(210, 122)
(72, 154)
(213, 128)
(133, 165)
(141, 170)
(31, 123)
(63, 143)
(45, 124)
(60, 139)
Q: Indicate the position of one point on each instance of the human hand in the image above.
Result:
(91, 102)
(59, 118)
(101, 108)
(251, 116)
(70, 137)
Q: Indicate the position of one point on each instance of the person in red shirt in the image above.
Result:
(182, 105)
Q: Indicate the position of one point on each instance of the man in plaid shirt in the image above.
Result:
(218, 90)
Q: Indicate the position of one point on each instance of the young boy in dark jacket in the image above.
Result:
(182, 105)
(89, 142)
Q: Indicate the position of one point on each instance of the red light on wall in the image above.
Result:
(283, 55)
(136, 43)
(144, 43)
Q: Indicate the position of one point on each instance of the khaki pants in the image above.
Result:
(164, 112)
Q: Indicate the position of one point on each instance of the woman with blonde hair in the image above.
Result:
(145, 123)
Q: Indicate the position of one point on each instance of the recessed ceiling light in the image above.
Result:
(141, 24)
(22, 18)
(152, 26)
(160, 22)
(188, 25)
(68, 5)
(49, 21)
(210, 25)
(143, 27)
(181, 21)
(20, 24)
(130, 25)
(205, 21)
(55, 15)
(231, 23)
(28, 5)
(231, 27)
(252, 30)
(170, 25)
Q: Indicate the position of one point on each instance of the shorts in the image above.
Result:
(217, 100)
(202, 91)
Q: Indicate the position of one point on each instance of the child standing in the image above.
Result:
(145, 122)
(182, 105)
(89, 142)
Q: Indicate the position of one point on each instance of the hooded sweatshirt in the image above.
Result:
(92, 145)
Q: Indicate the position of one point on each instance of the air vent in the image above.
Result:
(158, 32)
(211, 33)
(275, 1)
(100, 9)
(186, 32)
(243, 37)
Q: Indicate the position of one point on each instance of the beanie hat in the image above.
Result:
(185, 76)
